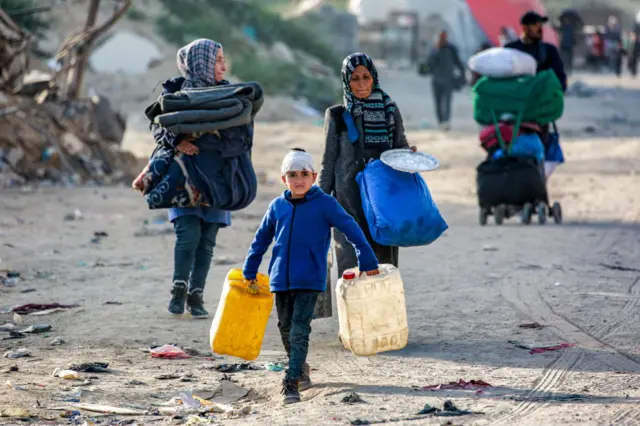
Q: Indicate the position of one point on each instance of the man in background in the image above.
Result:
(546, 54)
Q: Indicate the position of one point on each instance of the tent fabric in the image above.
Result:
(509, 16)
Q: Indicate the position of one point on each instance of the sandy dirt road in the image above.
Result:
(466, 294)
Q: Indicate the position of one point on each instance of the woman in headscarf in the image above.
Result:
(201, 64)
(380, 127)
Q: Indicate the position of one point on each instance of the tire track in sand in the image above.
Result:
(527, 299)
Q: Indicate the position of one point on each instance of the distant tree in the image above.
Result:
(25, 14)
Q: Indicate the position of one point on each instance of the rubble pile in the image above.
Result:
(62, 142)
(48, 137)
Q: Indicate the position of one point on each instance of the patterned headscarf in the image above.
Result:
(377, 110)
(197, 61)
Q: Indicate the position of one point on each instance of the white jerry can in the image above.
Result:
(372, 311)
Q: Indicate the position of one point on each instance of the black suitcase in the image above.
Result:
(510, 181)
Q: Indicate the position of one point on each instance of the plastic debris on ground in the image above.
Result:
(37, 328)
(15, 413)
(235, 368)
(18, 353)
(274, 366)
(448, 410)
(65, 374)
(353, 398)
(91, 367)
(532, 326)
(14, 335)
(30, 308)
(169, 352)
(227, 392)
(459, 385)
(76, 215)
(57, 341)
(539, 350)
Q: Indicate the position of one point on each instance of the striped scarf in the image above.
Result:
(377, 110)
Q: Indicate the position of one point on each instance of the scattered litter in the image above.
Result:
(169, 352)
(28, 290)
(234, 368)
(10, 385)
(37, 328)
(82, 263)
(353, 398)
(17, 318)
(195, 420)
(533, 326)
(449, 409)
(274, 366)
(91, 367)
(489, 248)
(10, 282)
(459, 385)
(12, 369)
(66, 374)
(227, 392)
(112, 303)
(543, 349)
(14, 335)
(107, 409)
(30, 308)
(48, 312)
(57, 341)
(18, 353)
(8, 327)
(134, 382)
(15, 413)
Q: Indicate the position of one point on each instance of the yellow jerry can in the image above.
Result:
(242, 316)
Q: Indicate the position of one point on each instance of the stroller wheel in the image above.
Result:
(484, 216)
(556, 212)
(527, 212)
(542, 213)
(499, 214)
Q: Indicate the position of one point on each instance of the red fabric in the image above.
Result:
(534, 351)
(489, 140)
(491, 15)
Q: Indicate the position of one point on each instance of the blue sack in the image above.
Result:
(554, 152)
(398, 207)
(527, 145)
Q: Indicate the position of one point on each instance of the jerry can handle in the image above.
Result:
(253, 288)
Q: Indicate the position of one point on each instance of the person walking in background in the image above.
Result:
(567, 43)
(545, 54)
(634, 51)
(447, 75)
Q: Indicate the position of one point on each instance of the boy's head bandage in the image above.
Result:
(297, 161)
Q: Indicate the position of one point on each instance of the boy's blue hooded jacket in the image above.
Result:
(302, 233)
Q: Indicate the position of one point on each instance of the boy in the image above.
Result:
(301, 221)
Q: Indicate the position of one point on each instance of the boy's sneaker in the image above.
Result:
(179, 296)
(305, 378)
(195, 305)
(290, 392)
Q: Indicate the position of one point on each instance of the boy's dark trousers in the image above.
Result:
(295, 312)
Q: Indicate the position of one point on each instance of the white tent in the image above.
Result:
(434, 15)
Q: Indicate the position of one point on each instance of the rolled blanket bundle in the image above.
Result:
(207, 109)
